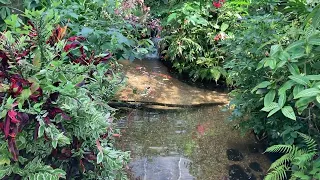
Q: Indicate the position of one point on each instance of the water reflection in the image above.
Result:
(188, 144)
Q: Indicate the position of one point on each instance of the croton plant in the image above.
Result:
(55, 122)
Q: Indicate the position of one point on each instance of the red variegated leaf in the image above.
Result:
(36, 131)
(99, 145)
(13, 148)
(6, 129)
(13, 116)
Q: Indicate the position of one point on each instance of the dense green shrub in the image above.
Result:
(55, 121)
(192, 32)
(274, 66)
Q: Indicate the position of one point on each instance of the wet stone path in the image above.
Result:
(187, 143)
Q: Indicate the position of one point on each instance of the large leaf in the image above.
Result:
(171, 17)
(294, 70)
(316, 18)
(297, 89)
(5, 1)
(282, 99)
(275, 49)
(308, 93)
(99, 157)
(298, 44)
(270, 107)
(274, 111)
(300, 79)
(313, 77)
(288, 112)
(224, 27)
(263, 84)
(4, 170)
(287, 85)
(268, 99)
(271, 62)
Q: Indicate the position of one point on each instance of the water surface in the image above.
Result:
(182, 143)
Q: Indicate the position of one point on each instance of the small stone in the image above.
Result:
(255, 166)
(234, 155)
(236, 172)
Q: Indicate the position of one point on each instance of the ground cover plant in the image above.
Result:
(55, 121)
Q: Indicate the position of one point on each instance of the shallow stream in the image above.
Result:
(183, 143)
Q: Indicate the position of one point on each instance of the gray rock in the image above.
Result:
(161, 168)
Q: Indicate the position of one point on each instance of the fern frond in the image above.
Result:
(282, 149)
(302, 159)
(278, 173)
(283, 160)
(311, 143)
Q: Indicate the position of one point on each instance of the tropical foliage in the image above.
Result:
(55, 120)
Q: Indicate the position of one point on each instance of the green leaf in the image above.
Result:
(287, 85)
(316, 65)
(318, 98)
(316, 18)
(4, 170)
(293, 68)
(288, 112)
(171, 17)
(275, 49)
(273, 111)
(41, 130)
(314, 41)
(59, 173)
(263, 84)
(25, 94)
(99, 157)
(308, 93)
(5, 1)
(297, 89)
(271, 62)
(224, 27)
(86, 31)
(300, 80)
(298, 44)
(284, 56)
(37, 58)
(54, 143)
(270, 107)
(304, 101)
(268, 99)
(313, 77)
(282, 99)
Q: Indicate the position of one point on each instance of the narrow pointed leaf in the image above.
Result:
(288, 112)
(308, 93)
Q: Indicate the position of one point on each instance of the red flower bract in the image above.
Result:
(217, 4)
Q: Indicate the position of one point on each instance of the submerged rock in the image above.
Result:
(234, 155)
(162, 168)
(236, 172)
(255, 166)
(253, 148)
